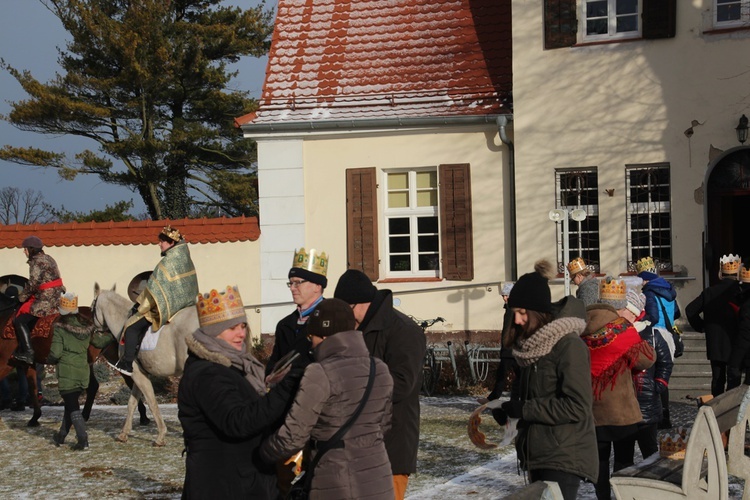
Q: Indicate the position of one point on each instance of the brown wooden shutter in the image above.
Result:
(560, 23)
(362, 222)
(659, 18)
(456, 240)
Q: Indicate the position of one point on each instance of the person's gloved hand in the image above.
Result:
(500, 416)
(513, 408)
(134, 309)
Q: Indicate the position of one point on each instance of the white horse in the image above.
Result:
(109, 311)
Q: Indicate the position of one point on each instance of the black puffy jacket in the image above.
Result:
(651, 382)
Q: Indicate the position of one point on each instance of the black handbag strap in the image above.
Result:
(324, 446)
(667, 322)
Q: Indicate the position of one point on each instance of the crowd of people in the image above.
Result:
(584, 377)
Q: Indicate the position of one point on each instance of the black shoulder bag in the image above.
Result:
(679, 346)
(301, 488)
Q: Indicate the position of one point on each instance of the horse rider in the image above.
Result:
(172, 286)
(40, 296)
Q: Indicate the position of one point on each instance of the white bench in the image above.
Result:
(703, 474)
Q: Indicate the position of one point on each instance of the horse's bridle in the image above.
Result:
(98, 327)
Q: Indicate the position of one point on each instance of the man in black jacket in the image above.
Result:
(393, 337)
(719, 322)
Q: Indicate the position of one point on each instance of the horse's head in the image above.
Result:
(108, 310)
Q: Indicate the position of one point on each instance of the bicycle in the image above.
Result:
(431, 368)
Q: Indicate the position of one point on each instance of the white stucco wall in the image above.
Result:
(217, 265)
(618, 104)
(322, 216)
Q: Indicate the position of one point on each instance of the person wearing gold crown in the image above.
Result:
(40, 296)
(69, 351)
(171, 287)
(224, 406)
(585, 280)
(714, 312)
(616, 350)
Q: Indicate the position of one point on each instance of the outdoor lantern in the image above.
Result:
(742, 129)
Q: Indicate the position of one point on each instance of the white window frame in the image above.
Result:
(413, 212)
(612, 16)
(582, 231)
(649, 207)
(743, 20)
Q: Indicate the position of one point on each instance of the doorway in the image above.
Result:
(728, 211)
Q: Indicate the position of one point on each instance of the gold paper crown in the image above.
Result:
(576, 266)
(171, 233)
(744, 275)
(730, 264)
(314, 262)
(215, 307)
(68, 303)
(645, 264)
(673, 445)
(612, 289)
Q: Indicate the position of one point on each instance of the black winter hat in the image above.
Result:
(32, 242)
(329, 317)
(298, 272)
(531, 291)
(354, 287)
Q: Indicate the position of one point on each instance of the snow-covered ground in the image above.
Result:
(450, 467)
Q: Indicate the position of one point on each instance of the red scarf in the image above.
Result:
(26, 306)
(614, 349)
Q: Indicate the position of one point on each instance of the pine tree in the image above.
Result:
(148, 81)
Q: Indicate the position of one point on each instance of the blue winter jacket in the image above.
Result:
(656, 292)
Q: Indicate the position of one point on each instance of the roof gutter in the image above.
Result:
(254, 130)
(502, 123)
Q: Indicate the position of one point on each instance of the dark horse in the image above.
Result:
(41, 346)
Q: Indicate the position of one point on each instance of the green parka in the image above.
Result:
(70, 342)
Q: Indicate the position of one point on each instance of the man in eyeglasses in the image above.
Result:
(307, 280)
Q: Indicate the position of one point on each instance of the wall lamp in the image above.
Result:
(742, 129)
(561, 215)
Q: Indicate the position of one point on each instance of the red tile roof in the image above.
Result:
(365, 59)
(132, 232)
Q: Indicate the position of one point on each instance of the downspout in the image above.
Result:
(502, 122)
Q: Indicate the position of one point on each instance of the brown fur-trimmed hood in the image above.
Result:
(197, 348)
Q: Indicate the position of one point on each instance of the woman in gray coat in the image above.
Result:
(330, 391)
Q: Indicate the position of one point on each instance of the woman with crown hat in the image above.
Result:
(171, 287)
(616, 350)
(224, 406)
(40, 295)
(585, 280)
(69, 351)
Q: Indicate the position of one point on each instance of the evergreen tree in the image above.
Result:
(147, 80)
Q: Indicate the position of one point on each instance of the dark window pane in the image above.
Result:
(639, 221)
(398, 225)
(627, 23)
(429, 262)
(596, 9)
(627, 7)
(399, 244)
(400, 263)
(428, 243)
(596, 27)
(427, 225)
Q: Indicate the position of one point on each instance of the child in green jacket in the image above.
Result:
(70, 342)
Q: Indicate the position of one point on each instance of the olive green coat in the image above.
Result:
(70, 342)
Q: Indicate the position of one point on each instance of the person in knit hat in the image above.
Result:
(616, 350)
(69, 351)
(650, 383)
(395, 338)
(556, 439)
(224, 406)
(329, 395)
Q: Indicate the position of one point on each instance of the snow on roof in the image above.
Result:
(365, 59)
(219, 230)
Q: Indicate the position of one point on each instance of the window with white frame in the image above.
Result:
(649, 215)
(579, 188)
(610, 19)
(731, 13)
(411, 223)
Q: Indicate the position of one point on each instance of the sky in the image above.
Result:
(29, 37)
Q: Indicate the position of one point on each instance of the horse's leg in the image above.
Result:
(91, 391)
(144, 383)
(30, 374)
(135, 393)
(144, 420)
